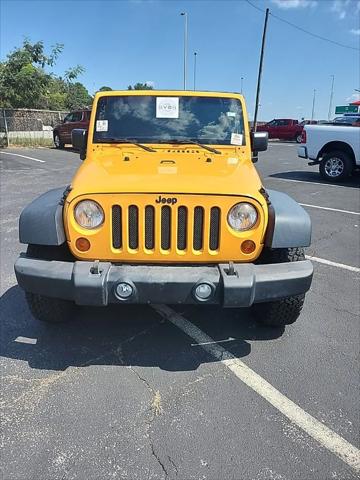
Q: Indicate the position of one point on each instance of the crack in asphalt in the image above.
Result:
(174, 465)
(156, 410)
(155, 455)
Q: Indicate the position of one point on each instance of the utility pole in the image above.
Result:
(260, 70)
(313, 105)
(185, 15)
(195, 55)
(242, 83)
(331, 96)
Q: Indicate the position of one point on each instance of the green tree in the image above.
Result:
(24, 82)
(72, 73)
(105, 89)
(23, 79)
(141, 86)
(56, 94)
(77, 96)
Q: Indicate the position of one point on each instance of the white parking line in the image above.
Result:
(333, 442)
(333, 264)
(311, 183)
(331, 209)
(30, 341)
(230, 339)
(23, 156)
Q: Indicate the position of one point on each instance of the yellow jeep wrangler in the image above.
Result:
(167, 207)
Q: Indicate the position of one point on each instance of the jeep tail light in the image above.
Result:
(303, 136)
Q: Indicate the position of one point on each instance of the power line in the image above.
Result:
(303, 29)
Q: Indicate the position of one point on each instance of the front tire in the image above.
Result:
(57, 141)
(298, 138)
(335, 166)
(287, 310)
(47, 309)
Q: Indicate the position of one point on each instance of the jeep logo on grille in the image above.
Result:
(169, 200)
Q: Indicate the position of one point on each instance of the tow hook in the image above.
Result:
(230, 271)
(95, 269)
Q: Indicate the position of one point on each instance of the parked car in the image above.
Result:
(62, 132)
(353, 120)
(308, 122)
(180, 216)
(283, 128)
(335, 148)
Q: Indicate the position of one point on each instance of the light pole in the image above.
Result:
(260, 69)
(185, 15)
(313, 105)
(195, 55)
(242, 83)
(331, 96)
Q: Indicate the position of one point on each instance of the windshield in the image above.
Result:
(152, 119)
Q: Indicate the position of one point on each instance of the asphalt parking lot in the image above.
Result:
(188, 393)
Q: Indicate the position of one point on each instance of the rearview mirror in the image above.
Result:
(259, 141)
(79, 140)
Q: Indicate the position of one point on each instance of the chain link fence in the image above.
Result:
(28, 127)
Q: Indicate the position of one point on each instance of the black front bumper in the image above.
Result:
(92, 283)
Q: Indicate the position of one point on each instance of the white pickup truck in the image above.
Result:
(335, 148)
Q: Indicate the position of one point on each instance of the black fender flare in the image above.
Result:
(289, 225)
(41, 222)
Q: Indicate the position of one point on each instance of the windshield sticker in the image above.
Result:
(236, 139)
(231, 114)
(167, 107)
(101, 125)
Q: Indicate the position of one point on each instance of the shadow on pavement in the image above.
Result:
(66, 149)
(121, 335)
(306, 176)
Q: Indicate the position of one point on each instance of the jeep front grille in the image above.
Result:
(174, 223)
(117, 227)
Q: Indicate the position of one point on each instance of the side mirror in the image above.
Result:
(79, 141)
(259, 141)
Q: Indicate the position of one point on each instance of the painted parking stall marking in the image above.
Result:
(326, 437)
(333, 264)
(330, 209)
(24, 156)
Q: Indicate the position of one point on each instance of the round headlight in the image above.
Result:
(242, 216)
(89, 214)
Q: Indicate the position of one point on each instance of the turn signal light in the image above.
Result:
(248, 246)
(82, 244)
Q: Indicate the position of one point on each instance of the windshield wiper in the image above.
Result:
(125, 140)
(190, 142)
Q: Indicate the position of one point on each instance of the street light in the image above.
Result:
(195, 54)
(313, 105)
(185, 15)
(331, 96)
(242, 82)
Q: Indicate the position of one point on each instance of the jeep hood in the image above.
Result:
(167, 171)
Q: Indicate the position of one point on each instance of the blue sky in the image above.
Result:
(124, 42)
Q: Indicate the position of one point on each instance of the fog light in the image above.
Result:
(82, 244)
(124, 290)
(248, 246)
(203, 291)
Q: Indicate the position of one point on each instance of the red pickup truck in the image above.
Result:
(283, 128)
